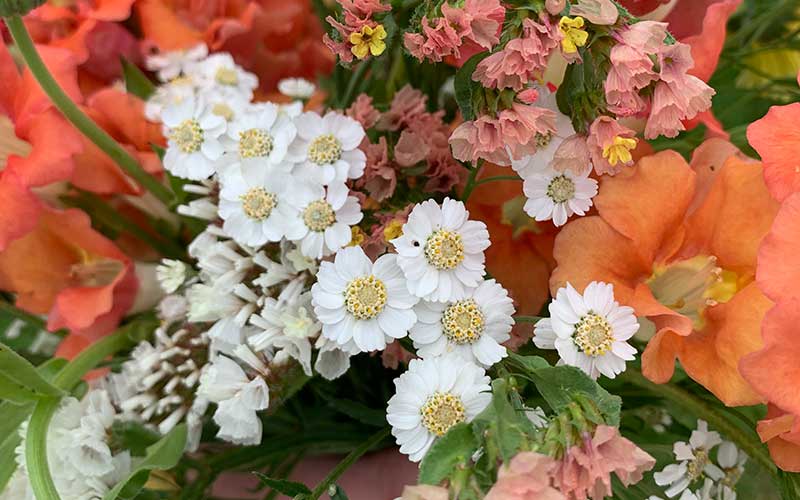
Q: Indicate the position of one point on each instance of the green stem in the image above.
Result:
(36, 438)
(471, 181)
(347, 462)
(716, 420)
(499, 178)
(77, 117)
(527, 319)
(355, 79)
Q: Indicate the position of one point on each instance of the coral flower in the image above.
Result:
(777, 139)
(781, 432)
(680, 248)
(526, 476)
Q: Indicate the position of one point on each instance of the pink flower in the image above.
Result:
(675, 101)
(408, 104)
(585, 470)
(632, 68)
(380, 176)
(480, 20)
(572, 154)
(528, 96)
(645, 36)
(363, 9)
(394, 354)
(522, 125)
(602, 12)
(526, 476)
(522, 60)
(363, 111)
(424, 492)
(554, 7)
(610, 145)
(438, 40)
(675, 61)
(410, 149)
(444, 173)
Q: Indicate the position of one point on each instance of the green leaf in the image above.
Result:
(136, 82)
(19, 378)
(337, 493)
(454, 448)
(163, 455)
(465, 87)
(132, 436)
(289, 488)
(504, 427)
(359, 411)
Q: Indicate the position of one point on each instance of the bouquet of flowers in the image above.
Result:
(399, 249)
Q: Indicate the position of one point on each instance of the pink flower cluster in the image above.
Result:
(523, 59)
(477, 22)
(583, 472)
(676, 95)
(514, 133)
(357, 14)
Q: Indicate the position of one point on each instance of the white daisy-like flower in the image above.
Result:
(225, 102)
(220, 70)
(171, 274)
(732, 461)
(259, 139)
(695, 464)
(192, 132)
(238, 398)
(441, 252)
(298, 88)
(326, 149)
(170, 65)
(256, 205)
(167, 94)
(558, 195)
(324, 221)
(589, 331)
(473, 327)
(431, 397)
(361, 302)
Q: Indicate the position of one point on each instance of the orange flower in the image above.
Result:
(680, 248)
(777, 140)
(781, 432)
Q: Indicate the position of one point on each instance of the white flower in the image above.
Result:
(589, 331)
(431, 397)
(172, 308)
(441, 252)
(326, 150)
(333, 361)
(238, 399)
(259, 139)
(362, 302)
(324, 222)
(694, 462)
(220, 70)
(256, 205)
(167, 94)
(171, 274)
(557, 195)
(731, 460)
(225, 102)
(473, 327)
(170, 65)
(192, 132)
(298, 88)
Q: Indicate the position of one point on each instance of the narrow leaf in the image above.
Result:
(136, 82)
(288, 488)
(18, 370)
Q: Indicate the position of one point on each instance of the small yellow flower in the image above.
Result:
(357, 236)
(393, 229)
(368, 41)
(619, 150)
(574, 34)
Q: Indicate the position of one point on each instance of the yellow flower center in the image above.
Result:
(319, 215)
(357, 236)
(226, 76)
(594, 335)
(255, 143)
(258, 204)
(442, 411)
(325, 149)
(188, 136)
(463, 322)
(365, 297)
(574, 34)
(690, 286)
(444, 249)
(368, 41)
(561, 189)
(393, 230)
(695, 467)
(223, 110)
(619, 151)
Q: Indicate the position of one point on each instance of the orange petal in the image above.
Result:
(54, 143)
(707, 160)
(31, 100)
(781, 432)
(111, 10)
(778, 271)
(19, 211)
(163, 27)
(776, 137)
(9, 75)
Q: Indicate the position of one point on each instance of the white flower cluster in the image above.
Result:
(553, 194)
(697, 476)
(81, 461)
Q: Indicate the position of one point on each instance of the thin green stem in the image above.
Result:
(716, 420)
(355, 79)
(77, 117)
(527, 319)
(498, 178)
(349, 460)
(471, 181)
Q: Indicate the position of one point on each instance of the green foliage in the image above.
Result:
(450, 451)
(136, 82)
(288, 488)
(20, 382)
(504, 427)
(132, 436)
(466, 89)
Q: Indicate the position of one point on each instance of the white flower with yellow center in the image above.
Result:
(168, 94)
(361, 302)
(192, 132)
(297, 88)
(220, 71)
(171, 65)
(441, 252)
(259, 139)
(226, 103)
(558, 195)
(431, 397)
(695, 468)
(325, 222)
(589, 331)
(326, 150)
(255, 205)
(473, 327)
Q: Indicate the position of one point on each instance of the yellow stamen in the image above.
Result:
(619, 151)
(368, 41)
(394, 229)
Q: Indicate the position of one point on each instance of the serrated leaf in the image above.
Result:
(465, 87)
(289, 488)
(455, 447)
(136, 82)
(20, 379)
(163, 455)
